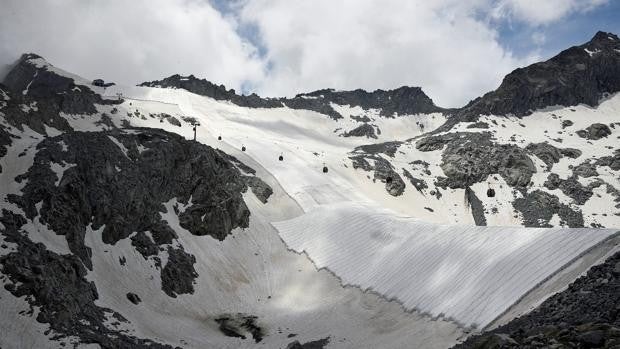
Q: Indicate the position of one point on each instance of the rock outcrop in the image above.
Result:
(54, 93)
(471, 157)
(551, 155)
(218, 92)
(401, 101)
(119, 181)
(57, 286)
(537, 208)
(586, 315)
(580, 74)
(595, 131)
(363, 130)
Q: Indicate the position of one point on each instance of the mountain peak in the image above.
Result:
(34, 69)
(29, 56)
(604, 37)
(55, 90)
(580, 74)
(602, 42)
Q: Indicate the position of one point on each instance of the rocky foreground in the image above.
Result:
(586, 315)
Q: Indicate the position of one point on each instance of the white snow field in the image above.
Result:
(329, 255)
(251, 272)
(307, 140)
(459, 274)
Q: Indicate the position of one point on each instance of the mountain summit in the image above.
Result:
(580, 74)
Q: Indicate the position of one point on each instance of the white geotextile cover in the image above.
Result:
(465, 273)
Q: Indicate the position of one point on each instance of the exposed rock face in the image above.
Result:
(174, 121)
(368, 158)
(317, 344)
(471, 157)
(387, 148)
(571, 152)
(551, 155)
(124, 192)
(24, 110)
(433, 143)
(57, 286)
(363, 130)
(401, 101)
(134, 298)
(476, 206)
(538, 207)
(259, 188)
(54, 93)
(178, 275)
(479, 124)
(586, 315)
(585, 170)
(595, 131)
(218, 92)
(571, 187)
(419, 184)
(359, 118)
(5, 141)
(546, 152)
(383, 171)
(237, 325)
(613, 162)
(567, 123)
(580, 74)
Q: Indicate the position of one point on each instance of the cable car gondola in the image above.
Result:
(325, 169)
(281, 158)
(243, 148)
(491, 192)
(219, 138)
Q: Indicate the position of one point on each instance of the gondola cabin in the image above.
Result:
(491, 192)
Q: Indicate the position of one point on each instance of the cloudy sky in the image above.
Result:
(454, 49)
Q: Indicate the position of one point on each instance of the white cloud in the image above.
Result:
(539, 38)
(129, 41)
(450, 48)
(438, 45)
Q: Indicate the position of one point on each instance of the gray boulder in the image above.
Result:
(595, 131)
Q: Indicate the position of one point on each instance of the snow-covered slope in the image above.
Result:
(307, 141)
(249, 284)
(171, 242)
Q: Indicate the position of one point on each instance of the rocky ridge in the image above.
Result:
(401, 101)
(580, 74)
(113, 183)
